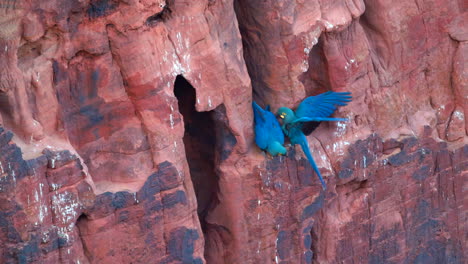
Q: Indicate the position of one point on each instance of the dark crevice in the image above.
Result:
(200, 140)
(101, 8)
(225, 139)
(315, 79)
(162, 16)
(314, 243)
(81, 223)
(260, 90)
(5, 106)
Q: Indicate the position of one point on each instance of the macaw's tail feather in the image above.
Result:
(258, 111)
(256, 107)
(305, 148)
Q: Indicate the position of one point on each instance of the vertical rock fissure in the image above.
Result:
(314, 242)
(200, 145)
(258, 87)
(81, 223)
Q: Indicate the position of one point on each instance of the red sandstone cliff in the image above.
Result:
(126, 131)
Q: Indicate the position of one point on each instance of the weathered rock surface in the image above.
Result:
(126, 131)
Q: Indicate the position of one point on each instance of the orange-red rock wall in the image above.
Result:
(126, 131)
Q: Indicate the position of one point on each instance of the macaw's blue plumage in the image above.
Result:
(307, 117)
(268, 133)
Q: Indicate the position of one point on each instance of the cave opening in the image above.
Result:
(81, 224)
(200, 140)
(316, 79)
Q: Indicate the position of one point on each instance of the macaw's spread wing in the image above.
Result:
(322, 105)
(267, 128)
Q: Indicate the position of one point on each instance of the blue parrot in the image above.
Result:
(268, 133)
(307, 117)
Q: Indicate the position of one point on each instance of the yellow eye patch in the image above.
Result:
(282, 115)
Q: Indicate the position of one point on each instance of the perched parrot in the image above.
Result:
(307, 117)
(268, 134)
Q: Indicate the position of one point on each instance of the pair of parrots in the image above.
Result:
(269, 135)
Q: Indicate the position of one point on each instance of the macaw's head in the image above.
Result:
(286, 114)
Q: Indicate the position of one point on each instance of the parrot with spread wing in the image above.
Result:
(308, 115)
(268, 133)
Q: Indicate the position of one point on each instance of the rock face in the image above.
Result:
(126, 131)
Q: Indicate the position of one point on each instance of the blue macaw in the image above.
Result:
(268, 134)
(307, 117)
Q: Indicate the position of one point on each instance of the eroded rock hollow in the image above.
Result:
(126, 131)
